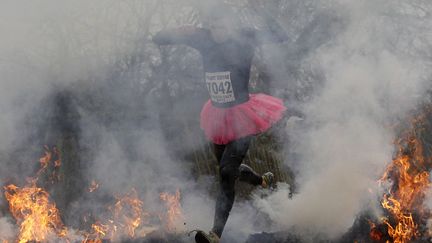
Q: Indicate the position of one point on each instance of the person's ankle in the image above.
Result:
(263, 183)
(267, 180)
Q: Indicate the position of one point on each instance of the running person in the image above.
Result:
(232, 115)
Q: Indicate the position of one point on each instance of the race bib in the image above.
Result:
(220, 87)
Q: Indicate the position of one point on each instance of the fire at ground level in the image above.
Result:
(406, 218)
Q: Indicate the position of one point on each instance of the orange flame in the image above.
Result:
(174, 212)
(93, 186)
(39, 220)
(99, 231)
(44, 160)
(37, 216)
(57, 162)
(127, 216)
(410, 183)
(128, 212)
(374, 234)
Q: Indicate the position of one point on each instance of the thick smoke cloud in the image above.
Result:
(373, 78)
(7, 230)
(47, 45)
(58, 72)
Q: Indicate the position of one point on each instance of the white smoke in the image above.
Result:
(371, 82)
(49, 47)
(7, 230)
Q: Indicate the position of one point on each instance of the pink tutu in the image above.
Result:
(223, 125)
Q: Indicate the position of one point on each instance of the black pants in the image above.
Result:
(230, 157)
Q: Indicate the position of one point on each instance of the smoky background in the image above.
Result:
(86, 77)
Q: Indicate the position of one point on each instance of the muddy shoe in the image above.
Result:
(268, 180)
(202, 237)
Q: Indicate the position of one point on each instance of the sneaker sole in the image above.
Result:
(200, 238)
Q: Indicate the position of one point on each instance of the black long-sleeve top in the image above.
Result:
(226, 64)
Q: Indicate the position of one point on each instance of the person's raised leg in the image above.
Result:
(248, 175)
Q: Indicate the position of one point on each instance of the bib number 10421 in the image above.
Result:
(219, 86)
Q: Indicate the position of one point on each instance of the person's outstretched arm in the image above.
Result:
(187, 35)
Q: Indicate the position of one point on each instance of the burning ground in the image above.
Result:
(39, 219)
(405, 215)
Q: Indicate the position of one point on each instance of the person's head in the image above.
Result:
(221, 20)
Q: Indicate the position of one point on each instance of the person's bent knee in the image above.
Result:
(229, 172)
